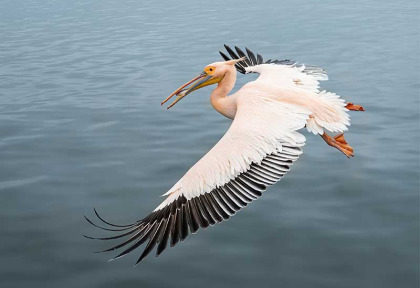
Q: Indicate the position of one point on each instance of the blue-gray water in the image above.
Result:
(81, 126)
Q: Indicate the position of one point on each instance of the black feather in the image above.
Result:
(251, 56)
(252, 189)
(269, 174)
(231, 53)
(239, 192)
(255, 184)
(138, 234)
(226, 208)
(176, 227)
(152, 240)
(113, 237)
(139, 241)
(107, 229)
(192, 217)
(272, 170)
(184, 223)
(259, 59)
(242, 54)
(258, 175)
(210, 208)
(196, 207)
(180, 201)
(228, 200)
(106, 222)
(204, 210)
(224, 56)
(229, 192)
(213, 202)
(163, 239)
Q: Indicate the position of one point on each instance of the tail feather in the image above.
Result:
(334, 118)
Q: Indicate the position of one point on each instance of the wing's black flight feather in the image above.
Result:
(252, 60)
(184, 216)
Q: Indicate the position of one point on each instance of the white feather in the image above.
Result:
(331, 115)
(259, 127)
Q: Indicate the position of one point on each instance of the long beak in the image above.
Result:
(202, 80)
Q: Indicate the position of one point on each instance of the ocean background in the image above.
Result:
(81, 126)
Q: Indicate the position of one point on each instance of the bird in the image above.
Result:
(258, 149)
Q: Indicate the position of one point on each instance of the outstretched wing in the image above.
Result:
(256, 152)
(286, 73)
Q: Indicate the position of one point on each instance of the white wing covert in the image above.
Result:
(288, 75)
(232, 174)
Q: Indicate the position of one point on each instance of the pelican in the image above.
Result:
(259, 148)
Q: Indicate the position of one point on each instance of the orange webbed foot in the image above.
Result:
(339, 143)
(352, 107)
(342, 145)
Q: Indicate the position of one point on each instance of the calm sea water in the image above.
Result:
(81, 126)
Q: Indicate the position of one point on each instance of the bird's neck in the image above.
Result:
(223, 104)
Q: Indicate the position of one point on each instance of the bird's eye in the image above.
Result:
(211, 69)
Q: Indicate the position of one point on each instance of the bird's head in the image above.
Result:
(211, 74)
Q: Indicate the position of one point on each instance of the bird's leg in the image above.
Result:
(338, 142)
(353, 107)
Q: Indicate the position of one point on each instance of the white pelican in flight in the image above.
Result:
(256, 152)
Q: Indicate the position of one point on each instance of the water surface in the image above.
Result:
(81, 127)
